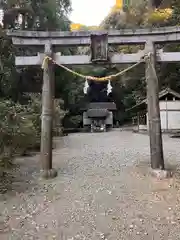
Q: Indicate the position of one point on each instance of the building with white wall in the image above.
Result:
(169, 103)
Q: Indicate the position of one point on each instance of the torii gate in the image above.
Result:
(148, 37)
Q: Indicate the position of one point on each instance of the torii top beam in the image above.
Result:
(80, 38)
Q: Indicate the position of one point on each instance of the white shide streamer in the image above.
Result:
(86, 86)
(109, 88)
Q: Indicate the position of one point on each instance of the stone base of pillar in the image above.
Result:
(160, 174)
(49, 174)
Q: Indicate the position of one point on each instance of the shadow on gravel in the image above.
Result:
(144, 167)
(24, 174)
(21, 177)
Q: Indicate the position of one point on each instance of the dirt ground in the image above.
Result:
(103, 191)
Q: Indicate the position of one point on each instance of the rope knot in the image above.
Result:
(45, 61)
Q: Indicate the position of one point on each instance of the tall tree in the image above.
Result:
(28, 15)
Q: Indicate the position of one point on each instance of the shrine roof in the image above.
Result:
(163, 93)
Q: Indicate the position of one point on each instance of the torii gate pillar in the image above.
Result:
(47, 116)
(155, 135)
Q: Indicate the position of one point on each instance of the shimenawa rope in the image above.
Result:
(94, 78)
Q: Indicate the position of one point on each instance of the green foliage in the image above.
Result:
(20, 127)
(8, 75)
(17, 131)
(72, 121)
(176, 12)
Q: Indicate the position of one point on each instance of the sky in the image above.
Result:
(90, 12)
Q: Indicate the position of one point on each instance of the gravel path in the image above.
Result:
(102, 191)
